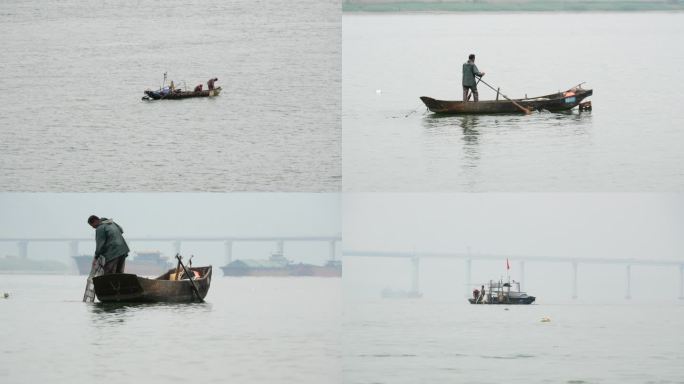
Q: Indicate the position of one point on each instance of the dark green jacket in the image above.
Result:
(109, 241)
(469, 72)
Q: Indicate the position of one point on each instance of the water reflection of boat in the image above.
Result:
(388, 293)
(145, 263)
(500, 292)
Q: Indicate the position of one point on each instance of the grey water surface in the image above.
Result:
(631, 141)
(249, 330)
(398, 341)
(73, 74)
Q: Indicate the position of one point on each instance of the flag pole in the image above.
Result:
(508, 268)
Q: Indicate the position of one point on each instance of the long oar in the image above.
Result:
(527, 111)
(194, 287)
(97, 269)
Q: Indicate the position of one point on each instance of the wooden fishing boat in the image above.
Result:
(179, 94)
(130, 288)
(555, 102)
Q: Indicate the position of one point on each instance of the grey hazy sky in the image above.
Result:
(169, 214)
(579, 225)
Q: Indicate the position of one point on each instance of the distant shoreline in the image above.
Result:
(521, 6)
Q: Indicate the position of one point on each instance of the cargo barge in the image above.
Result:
(279, 266)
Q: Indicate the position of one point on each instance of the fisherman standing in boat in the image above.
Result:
(210, 83)
(110, 244)
(470, 71)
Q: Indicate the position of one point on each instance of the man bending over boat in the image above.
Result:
(210, 83)
(470, 71)
(110, 244)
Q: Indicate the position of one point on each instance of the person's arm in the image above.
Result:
(477, 72)
(100, 238)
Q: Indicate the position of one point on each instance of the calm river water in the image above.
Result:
(73, 74)
(250, 330)
(409, 341)
(631, 141)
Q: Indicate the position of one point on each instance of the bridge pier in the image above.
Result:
(681, 281)
(468, 277)
(574, 280)
(280, 247)
(73, 248)
(228, 244)
(415, 283)
(176, 247)
(628, 275)
(23, 249)
(332, 249)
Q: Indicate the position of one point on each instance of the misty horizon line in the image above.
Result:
(469, 255)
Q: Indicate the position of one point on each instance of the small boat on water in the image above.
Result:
(555, 102)
(167, 94)
(130, 288)
(500, 292)
(171, 92)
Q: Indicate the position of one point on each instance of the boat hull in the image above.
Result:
(130, 288)
(554, 102)
(511, 301)
(155, 95)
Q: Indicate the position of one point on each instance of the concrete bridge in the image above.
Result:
(574, 262)
(177, 241)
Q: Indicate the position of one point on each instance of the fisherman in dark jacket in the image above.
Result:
(110, 244)
(469, 72)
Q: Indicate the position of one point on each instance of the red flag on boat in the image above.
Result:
(508, 266)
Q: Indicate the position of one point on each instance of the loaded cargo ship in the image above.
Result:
(278, 265)
(145, 263)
